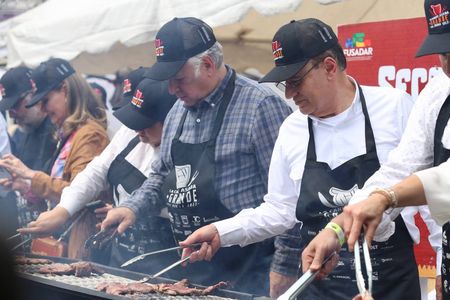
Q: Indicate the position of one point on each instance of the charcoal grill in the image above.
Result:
(70, 287)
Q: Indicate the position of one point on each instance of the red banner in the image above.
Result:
(383, 53)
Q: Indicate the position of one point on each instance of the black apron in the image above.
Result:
(193, 202)
(441, 154)
(323, 194)
(146, 234)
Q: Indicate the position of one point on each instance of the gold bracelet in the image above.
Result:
(389, 194)
(338, 230)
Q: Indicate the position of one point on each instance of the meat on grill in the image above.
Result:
(79, 269)
(22, 260)
(178, 288)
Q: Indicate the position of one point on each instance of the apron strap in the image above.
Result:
(133, 142)
(370, 139)
(441, 122)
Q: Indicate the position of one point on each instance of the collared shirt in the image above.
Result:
(243, 147)
(93, 179)
(338, 139)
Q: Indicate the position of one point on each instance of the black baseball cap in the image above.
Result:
(48, 76)
(150, 104)
(14, 85)
(176, 42)
(129, 85)
(438, 38)
(294, 44)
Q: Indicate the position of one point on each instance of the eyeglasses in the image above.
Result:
(296, 82)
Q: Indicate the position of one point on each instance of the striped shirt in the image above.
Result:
(243, 148)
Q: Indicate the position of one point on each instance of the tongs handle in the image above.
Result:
(99, 240)
(142, 256)
(302, 283)
(358, 272)
(166, 269)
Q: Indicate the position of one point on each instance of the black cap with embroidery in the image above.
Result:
(150, 104)
(48, 76)
(294, 44)
(14, 85)
(438, 21)
(176, 42)
(129, 85)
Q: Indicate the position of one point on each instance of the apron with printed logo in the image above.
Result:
(193, 202)
(323, 194)
(146, 234)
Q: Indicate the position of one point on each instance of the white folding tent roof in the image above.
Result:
(66, 28)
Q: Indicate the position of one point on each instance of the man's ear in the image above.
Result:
(331, 66)
(209, 64)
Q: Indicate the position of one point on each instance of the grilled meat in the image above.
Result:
(79, 269)
(22, 260)
(57, 269)
(178, 288)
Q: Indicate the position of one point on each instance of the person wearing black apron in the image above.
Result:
(200, 205)
(442, 154)
(396, 275)
(147, 234)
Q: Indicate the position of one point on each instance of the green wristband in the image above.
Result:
(338, 230)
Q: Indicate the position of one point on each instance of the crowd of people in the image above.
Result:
(206, 155)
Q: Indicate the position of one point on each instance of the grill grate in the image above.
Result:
(111, 275)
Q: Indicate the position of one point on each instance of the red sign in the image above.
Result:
(383, 53)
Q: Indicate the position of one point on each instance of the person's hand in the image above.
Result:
(368, 213)
(210, 239)
(438, 287)
(16, 167)
(123, 216)
(15, 184)
(322, 246)
(101, 212)
(47, 222)
(365, 297)
(279, 283)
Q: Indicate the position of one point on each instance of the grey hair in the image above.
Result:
(216, 54)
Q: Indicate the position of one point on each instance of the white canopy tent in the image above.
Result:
(66, 28)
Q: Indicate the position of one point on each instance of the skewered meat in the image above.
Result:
(178, 288)
(79, 269)
(22, 260)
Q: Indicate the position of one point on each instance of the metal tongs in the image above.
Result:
(101, 239)
(368, 264)
(142, 256)
(23, 242)
(166, 269)
(302, 283)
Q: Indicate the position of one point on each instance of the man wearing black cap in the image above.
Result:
(124, 165)
(35, 129)
(323, 154)
(215, 150)
(33, 142)
(426, 143)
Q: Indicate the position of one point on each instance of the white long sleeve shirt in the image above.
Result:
(93, 179)
(338, 139)
(436, 184)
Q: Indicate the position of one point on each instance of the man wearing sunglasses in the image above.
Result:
(33, 141)
(324, 153)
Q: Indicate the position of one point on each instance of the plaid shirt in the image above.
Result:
(243, 148)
